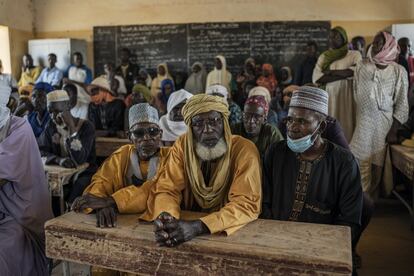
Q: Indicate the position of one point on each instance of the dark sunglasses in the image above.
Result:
(140, 133)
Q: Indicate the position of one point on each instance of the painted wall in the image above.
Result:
(76, 18)
(18, 15)
(358, 17)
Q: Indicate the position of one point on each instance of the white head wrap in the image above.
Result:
(4, 100)
(172, 130)
(217, 89)
(57, 96)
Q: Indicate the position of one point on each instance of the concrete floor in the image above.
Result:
(386, 247)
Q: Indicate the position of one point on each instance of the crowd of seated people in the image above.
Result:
(305, 143)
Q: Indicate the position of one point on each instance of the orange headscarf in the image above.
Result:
(102, 97)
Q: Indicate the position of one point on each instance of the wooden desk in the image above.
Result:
(105, 146)
(261, 247)
(57, 177)
(403, 160)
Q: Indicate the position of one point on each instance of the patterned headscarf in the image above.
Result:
(211, 196)
(259, 101)
(388, 53)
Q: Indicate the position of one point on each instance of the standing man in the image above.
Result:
(304, 71)
(405, 50)
(51, 74)
(78, 73)
(127, 69)
(24, 197)
(381, 87)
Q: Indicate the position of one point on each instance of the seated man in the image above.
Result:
(38, 116)
(125, 178)
(308, 178)
(207, 171)
(79, 100)
(68, 141)
(254, 126)
(78, 73)
(106, 112)
(24, 197)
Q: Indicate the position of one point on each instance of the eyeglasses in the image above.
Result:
(212, 122)
(140, 133)
(252, 117)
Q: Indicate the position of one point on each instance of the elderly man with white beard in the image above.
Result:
(207, 171)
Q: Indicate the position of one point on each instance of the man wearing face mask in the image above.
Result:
(124, 180)
(68, 141)
(208, 170)
(308, 178)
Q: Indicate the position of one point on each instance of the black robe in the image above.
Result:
(108, 116)
(333, 195)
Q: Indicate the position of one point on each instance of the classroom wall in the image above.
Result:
(18, 15)
(76, 18)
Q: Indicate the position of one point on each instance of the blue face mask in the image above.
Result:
(302, 144)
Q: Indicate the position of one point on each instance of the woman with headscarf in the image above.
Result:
(268, 79)
(334, 72)
(380, 93)
(262, 91)
(247, 75)
(286, 78)
(172, 123)
(219, 75)
(196, 83)
(161, 100)
(162, 74)
(79, 100)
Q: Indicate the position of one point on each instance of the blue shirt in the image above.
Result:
(38, 126)
(51, 76)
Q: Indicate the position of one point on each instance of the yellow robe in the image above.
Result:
(110, 180)
(244, 196)
(30, 76)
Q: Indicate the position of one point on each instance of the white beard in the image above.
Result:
(208, 154)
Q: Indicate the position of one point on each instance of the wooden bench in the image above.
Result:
(105, 146)
(261, 247)
(402, 159)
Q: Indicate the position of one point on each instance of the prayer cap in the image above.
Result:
(142, 113)
(57, 96)
(311, 98)
(202, 103)
(219, 89)
(261, 91)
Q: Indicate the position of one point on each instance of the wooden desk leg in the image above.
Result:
(65, 268)
(61, 198)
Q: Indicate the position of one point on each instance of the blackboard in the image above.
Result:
(180, 45)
